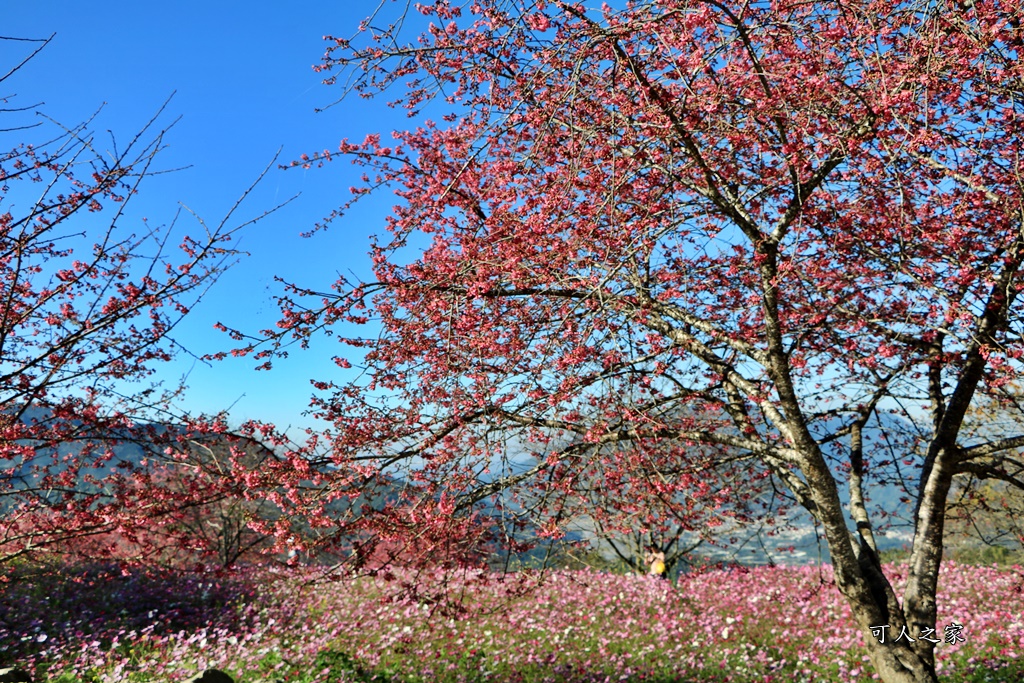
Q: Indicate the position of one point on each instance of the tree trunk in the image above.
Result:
(860, 579)
(891, 667)
(874, 605)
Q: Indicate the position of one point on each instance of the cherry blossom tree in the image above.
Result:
(219, 528)
(206, 517)
(745, 517)
(89, 299)
(753, 229)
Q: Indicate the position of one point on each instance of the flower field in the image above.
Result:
(741, 625)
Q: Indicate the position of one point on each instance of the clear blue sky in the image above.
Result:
(242, 73)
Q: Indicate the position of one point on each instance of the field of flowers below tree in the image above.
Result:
(741, 625)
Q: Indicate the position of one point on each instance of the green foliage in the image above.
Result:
(87, 677)
(899, 555)
(964, 553)
(342, 665)
(978, 554)
(993, 672)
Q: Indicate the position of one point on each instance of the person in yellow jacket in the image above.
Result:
(655, 560)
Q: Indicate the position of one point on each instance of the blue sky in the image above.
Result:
(245, 87)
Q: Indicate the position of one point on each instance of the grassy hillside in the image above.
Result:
(740, 625)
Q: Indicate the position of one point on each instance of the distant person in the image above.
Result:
(655, 560)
